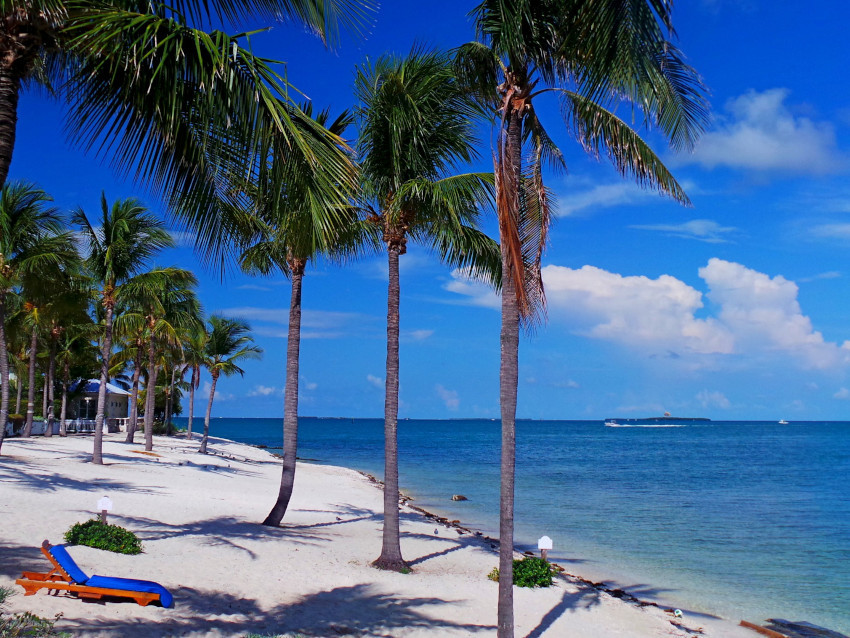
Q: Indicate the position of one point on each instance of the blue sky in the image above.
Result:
(736, 308)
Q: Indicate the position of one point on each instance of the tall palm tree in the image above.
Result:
(167, 306)
(120, 245)
(415, 129)
(230, 343)
(194, 357)
(33, 246)
(293, 235)
(153, 92)
(593, 57)
(76, 357)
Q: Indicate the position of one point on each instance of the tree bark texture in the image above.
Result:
(203, 448)
(106, 353)
(4, 371)
(290, 403)
(31, 389)
(51, 372)
(133, 421)
(391, 557)
(508, 378)
(150, 398)
(10, 86)
(192, 385)
(63, 411)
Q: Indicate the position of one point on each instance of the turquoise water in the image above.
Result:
(740, 519)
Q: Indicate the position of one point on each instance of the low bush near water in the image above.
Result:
(96, 534)
(528, 572)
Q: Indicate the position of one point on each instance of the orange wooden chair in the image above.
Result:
(67, 576)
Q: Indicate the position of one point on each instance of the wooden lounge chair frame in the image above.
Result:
(57, 579)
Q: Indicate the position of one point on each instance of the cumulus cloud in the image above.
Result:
(713, 400)
(752, 313)
(700, 229)
(378, 382)
(843, 394)
(759, 132)
(218, 396)
(263, 391)
(449, 397)
(475, 292)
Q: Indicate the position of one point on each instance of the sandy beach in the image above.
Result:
(198, 517)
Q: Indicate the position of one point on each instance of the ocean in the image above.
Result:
(746, 520)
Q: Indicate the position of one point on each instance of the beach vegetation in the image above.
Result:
(415, 132)
(229, 344)
(26, 624)
(290, 232)
(529, 571)
(112, 538)
(592, 58)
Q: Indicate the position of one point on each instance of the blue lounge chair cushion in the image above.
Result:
(129, 584)
(67, 563)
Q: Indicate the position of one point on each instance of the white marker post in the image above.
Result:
(544, 544)
(104, 505)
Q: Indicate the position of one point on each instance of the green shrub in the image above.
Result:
(26, 624)
(528, 572)
(112, 538)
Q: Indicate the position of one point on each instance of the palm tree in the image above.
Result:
(230, 342)
(33, 247)
(125, 239)
(415, 129)
(75, 352)
(174, 105)
(292, 236)
(194, 357)
(166, 304)
(593, 56)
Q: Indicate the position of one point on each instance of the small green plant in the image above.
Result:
(112, 538)
(26, 624)
(528, 572)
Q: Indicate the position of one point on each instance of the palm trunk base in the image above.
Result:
(392, 564)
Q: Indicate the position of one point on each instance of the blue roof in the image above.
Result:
(92, 386)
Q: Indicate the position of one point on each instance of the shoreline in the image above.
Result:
(310, 575)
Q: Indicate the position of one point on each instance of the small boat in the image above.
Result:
(783, 422)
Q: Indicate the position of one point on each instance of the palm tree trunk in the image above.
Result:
(391, 557)
(4, 371)
(106, 353)
(290, 403)
(508, 379)
(63, 411)
(10, 85)
(150, 398)
(31, 389)
(192, 386)
(134, 401)
(44, 395)
(18, 398)
(169, 403)
(51, 371)
(203, 448)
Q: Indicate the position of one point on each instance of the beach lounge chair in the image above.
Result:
(65, 575)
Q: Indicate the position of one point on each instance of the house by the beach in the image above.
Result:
(84, 403)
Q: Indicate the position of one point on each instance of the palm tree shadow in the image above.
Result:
(584, 598)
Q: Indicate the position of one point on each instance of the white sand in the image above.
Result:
(198, 518)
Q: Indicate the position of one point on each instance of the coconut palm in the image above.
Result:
(292, 236)
(229, 343)
(165, 302)
(76, 356)
(33, 247)
(169, 103)
(120, 245)
(415, 129)
(592, 57)
(194, 357)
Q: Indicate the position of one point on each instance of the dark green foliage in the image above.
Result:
(17, 421)
(528, 572)
(112, 538)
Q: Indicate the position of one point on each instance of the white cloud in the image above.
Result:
(253, 287)
(839, 231)
(759, 132)
(378, 382)
(263, 391)
(417, 335)
(477, 293)
(842, 394)
(449, 397)
(701, 229)
(764, 314)
(315, 324)
(829, 274)
(636, 311)
(713, 400)
(310, 385)
(602, 196)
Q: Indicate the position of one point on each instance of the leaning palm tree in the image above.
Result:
(292, 236)
(593, 57)
(416, 128)
(33, 247)
(229, 343)
(120, 244)
(165, 100)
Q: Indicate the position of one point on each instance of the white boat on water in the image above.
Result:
(783, 422)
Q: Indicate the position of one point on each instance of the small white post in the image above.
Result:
(544, 544)
(104, 505)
